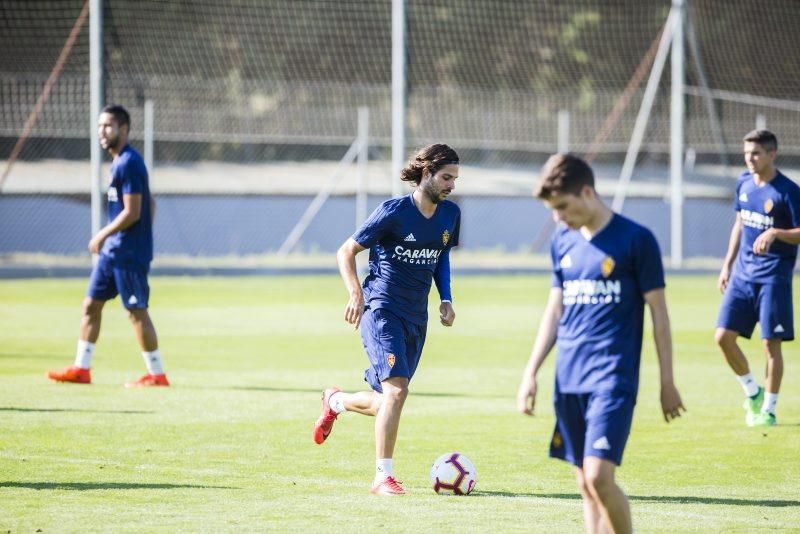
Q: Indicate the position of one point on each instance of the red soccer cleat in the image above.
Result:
(324, 425)
(149, 380)
(74, 374)
(389, 486)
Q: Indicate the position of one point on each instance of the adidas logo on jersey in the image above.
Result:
(601, 444)
(779, 329)
(743, 197)
(410, 237)
(566, 262)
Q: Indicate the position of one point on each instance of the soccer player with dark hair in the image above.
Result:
(605, 268)
(409, 241)
(125, 249)
(763, 243)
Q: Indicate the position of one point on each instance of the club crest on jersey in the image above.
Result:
(768, 205)
(390, 360)
(607, 267)
(445, 237)
(557, 440)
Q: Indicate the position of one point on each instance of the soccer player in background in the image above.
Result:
(409, 241)
(605, 268)
(125, 250)
(764, 243)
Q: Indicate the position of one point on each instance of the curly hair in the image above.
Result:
(430, 158)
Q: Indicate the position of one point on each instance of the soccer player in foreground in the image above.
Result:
(125, 250)
(764, 243)
(605, 268)
(409, 240)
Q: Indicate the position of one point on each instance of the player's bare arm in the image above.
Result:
(545, 339)
(346, 259)
(671, 403)
(767, 237)
(128, 216)
(730, 255)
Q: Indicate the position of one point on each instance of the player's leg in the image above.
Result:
(387, 424)
(387, 420)
(377, 340)
(608, 423)
(134, 291)
(102, 287)
(592, 518)
(726, 339)
(363, 402)
(613, 504)
(774, 354)
(777, 325)
(737, 317)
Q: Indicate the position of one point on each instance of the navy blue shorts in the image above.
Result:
(393, 346)
(591, 424)
(128, 280)
(745, 304)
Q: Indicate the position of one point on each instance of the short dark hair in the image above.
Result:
(120, 114)
(432, 157)
(563, 173)
(765, 138)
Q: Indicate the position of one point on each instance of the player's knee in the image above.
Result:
(396, 393)
(772, 348)
(138, 315)
(724, 337)
(92, 308)
(583, 487)
(598, 483)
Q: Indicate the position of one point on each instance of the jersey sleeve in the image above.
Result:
(132, 177)
(649, 268)
(374, 228)
(736, 205)
(558, 276)
(793, 203)
(456, 230)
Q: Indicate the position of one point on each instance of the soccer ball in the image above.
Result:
(453, 474)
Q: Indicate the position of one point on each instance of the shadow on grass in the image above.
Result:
(88, 486)
(364, 388)
(677, 499)
(78, 410)
(31, 356)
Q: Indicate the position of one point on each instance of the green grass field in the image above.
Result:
(229, 447)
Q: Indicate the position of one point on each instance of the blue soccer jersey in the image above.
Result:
(405, 251)
(775, 204)
(603, 279)
(129, 176)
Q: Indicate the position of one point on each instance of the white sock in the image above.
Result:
(83, 356)
(336, 402)
(153, 362)
(383, 470)
(770, 400)
(749, 384)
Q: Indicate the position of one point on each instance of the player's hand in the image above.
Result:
(724, 278)
(671, 403)
(446, 313)
(96, 243)
(764, 241)
(354, 309)
(526, 395)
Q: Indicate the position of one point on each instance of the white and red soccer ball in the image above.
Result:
(453, 474)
